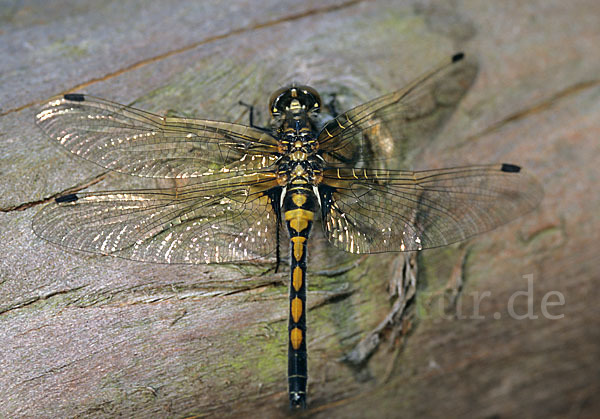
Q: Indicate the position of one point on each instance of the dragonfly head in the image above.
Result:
(294, 100)
(294, 109)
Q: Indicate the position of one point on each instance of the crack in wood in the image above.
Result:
(146, 61)
(531, 110)
(73, 189)
(35, 299)
(342, 269)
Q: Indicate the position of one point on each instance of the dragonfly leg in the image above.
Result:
(251, 117)
(331, 106)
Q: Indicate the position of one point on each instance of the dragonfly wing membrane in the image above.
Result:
(132, 141)
(186, 225)
(390, 131)
(372, 210)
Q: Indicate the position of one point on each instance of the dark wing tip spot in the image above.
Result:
(458, 56)
(67, 198)
(510, 168)
(76, 97)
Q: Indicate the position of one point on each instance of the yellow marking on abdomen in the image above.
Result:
(298, 247)
(299, 218)
(296, 338)
(298, 199)
(297, 277)
(296, 309)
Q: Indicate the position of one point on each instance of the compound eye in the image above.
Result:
(313, 98)
(275, 99)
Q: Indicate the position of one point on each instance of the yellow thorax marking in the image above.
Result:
(299, 155)
(297, 278)
(296, 309)
(299, 218)
(299, 199)
(296, 338)
(298, 250)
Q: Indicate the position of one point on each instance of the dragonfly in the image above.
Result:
(241, 191)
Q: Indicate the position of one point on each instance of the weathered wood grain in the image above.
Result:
(83, 336)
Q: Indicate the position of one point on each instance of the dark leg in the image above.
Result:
(277, 254)
(251, 117)
(250, 112)
(331, 106)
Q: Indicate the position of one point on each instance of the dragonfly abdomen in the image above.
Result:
(299, 207)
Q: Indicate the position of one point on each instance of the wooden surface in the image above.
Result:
(88, 336)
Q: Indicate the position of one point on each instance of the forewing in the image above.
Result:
(194, 224)
(389, 131)
(128, 140)
(371, 211)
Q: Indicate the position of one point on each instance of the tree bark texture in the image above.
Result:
(462, 331)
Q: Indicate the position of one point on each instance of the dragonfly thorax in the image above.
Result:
(294, 142)
(299, 162)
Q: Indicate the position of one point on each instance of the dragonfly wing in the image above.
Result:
(128, 140)
(389, 131)
(194, 224)
(371, 211)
